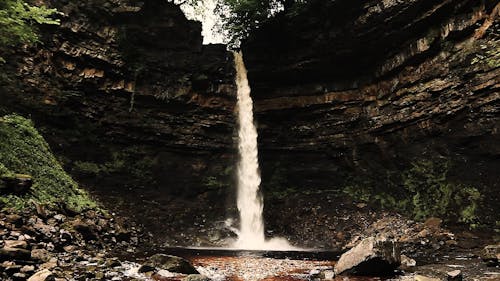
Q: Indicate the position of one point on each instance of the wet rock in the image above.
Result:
(41, 275)
(17, 244)
(170, 263)
(10, 267)
(371, 256)
(17, 183)
(27, 269)
(7, 253)
(146, 268)
(407, 262)
(19, 276)
(41, 255)
(425, 278)
(327, 274)
(86, 230)
(113, 262)
(196, 277)
(455, 275)
(433, 224)
(14, 219)
(491, 254)
(50, 264)
(161, 275)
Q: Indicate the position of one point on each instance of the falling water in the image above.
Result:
(250, 203)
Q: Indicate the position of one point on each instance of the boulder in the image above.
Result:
(370, 257)
(88, 231)
(17, 244)
(170, 263)
(454, 275)
(7, 253)
(491, 254)
(41, 275)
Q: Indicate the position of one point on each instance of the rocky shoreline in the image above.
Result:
(41, 244)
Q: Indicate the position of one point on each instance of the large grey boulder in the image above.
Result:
(371, 257)
(170, 263)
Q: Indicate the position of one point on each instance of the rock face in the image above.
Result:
(354, 93)
(135, 105)
(348, 94)
(371, 257)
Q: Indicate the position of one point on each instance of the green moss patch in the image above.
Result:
(24, 151)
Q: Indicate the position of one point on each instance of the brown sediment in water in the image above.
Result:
(260, 268)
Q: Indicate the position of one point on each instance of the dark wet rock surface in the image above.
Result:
(168, 262)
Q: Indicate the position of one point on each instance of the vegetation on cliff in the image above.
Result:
(18, 22)
(23, 150)
(423, 190)
(241, 17)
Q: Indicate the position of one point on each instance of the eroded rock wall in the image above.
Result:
(356, 93)
(133, 103)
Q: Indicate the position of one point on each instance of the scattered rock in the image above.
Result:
(491, 254)
(370, 257)
(28, 269)
(455, 275)
(41, 275)
(146, 268)
(433, 224)
(17, 244)
(170, 263)
(41, 255)
(196, 277)
(14, 219)
(407, 262)
(87, 231)
(7, 253)
(425, 278)
(19, 276)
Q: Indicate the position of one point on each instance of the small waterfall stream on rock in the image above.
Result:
(249, 200)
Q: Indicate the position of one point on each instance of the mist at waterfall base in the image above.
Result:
(249, 199)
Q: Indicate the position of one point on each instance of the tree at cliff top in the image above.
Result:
(240, 17)
(18, 22)
(236, 19)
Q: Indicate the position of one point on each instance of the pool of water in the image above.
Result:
(249, 265)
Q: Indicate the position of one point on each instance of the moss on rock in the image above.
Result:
(23, 150)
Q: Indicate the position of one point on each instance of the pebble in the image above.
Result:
(455, 275)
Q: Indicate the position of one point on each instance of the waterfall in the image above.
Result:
(249, 200)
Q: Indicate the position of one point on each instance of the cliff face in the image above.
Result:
(132, 102)
(357, 93)
(364, 98)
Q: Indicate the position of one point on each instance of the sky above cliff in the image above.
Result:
(204, 12)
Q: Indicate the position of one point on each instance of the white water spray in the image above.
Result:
(250, 204)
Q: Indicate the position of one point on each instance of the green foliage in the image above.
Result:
(131, 161)
(220, 180)
(240, 17)
(4, 171)
(18, 22)
(421, 191)
(23, 150)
